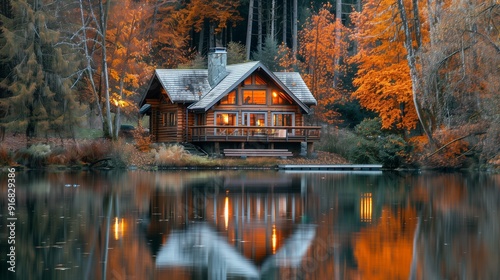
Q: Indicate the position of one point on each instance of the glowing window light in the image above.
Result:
(365, 207)
(226, 212)
(119, 228)
(273, 239)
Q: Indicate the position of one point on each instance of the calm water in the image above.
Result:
(252, 225)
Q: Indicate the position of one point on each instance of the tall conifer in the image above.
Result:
(36, 80)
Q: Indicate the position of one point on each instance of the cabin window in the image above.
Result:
(255, 119)
(280, 98)
(225, 119)
(284, 119)
(254, 97)
(259, 80)
(169, 119)
(200, 119)
(248, 81)
(229, 99)
(254, 80)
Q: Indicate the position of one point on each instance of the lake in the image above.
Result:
(250, 225)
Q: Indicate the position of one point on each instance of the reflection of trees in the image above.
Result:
(384, 251)
(460, 241)
(61, 227)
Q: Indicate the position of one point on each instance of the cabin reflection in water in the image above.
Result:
(230, 227)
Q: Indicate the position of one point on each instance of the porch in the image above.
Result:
(269, 134)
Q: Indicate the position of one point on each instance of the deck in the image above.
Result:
(254, 133)
(243, 153)
(331, 167)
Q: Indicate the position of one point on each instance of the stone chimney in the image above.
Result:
(217, 61)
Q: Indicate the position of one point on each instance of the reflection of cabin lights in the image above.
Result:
(119, 228)
(365, 210)
(226, 118)
(273, 238)
(226, 212)
(275, 94)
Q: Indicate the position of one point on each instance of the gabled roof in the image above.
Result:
(294, 82)
(237, 73)
(181, 85)
(192, 86)
(198, 246)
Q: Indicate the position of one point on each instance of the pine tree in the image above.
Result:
(37, 81)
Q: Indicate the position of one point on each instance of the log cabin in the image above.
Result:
(234, 106)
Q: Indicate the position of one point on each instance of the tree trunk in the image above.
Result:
(294, 31)
(259, 25)
(103, 11)
(284, 21)
(273, 13)
(412, 63)
(88, 66)
(201, 40)
(338, 25)
(249, 30)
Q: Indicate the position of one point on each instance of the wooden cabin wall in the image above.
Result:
(165, 133)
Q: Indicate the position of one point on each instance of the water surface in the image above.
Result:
(253, 225)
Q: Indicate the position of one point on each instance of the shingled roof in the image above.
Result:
(192, 86)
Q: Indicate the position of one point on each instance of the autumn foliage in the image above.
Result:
(383, 81)
(320, 48)
(384, 251)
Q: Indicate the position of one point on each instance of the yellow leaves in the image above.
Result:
(127, 43)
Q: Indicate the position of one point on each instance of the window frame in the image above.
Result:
(251, 100)
(169, 119)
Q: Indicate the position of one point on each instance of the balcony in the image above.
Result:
(224, 133)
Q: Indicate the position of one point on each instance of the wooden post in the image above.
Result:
(217, 148)
(310, 149)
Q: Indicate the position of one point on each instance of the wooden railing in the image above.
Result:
(254, 133)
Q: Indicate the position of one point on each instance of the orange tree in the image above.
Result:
(320, 48)
(126, 47)
(383, 78)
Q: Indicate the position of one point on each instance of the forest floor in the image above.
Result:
(146, 159)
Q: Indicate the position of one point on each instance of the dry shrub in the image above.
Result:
(95, 150)
(35, 156)
(142, 139)
(57, 156)
(451, 156)
(171, 155)
(5, 156)
(491, 144)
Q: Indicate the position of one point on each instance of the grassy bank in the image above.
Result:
(56, 153)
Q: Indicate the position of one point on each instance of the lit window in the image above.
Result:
(248, 81)
(365, 208)
(281, 99)
(225, 119)
(259, 80)
(254, 119)
(254, 97)
(229, 99)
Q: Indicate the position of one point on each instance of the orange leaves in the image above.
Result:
(389, 242)
(383, 80)
(219, 12)
(126, 37)
(321, 48)
(450, 152)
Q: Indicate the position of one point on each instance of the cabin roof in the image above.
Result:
(192, 86)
